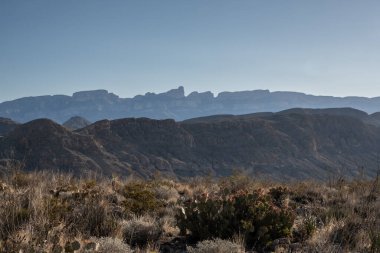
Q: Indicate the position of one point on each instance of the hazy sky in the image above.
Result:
(325, 47)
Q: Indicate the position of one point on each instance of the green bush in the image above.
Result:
(140, 198)
(253, 215)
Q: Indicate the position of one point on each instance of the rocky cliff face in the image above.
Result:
(285, 145)
(100, 104)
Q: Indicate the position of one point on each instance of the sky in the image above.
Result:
(324, 47)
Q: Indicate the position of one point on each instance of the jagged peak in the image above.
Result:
(175, 93)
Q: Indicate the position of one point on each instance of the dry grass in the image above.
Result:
(141, 231)
(216, 246)
(107, 244)
(55, 212)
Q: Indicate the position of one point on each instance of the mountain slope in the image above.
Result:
(281, 145)
(6, 126)
(44, 144)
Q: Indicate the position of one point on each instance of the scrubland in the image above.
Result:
(54, 212)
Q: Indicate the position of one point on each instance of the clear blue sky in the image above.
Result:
(325, 47)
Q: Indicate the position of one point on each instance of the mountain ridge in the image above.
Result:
(100, 104)
(302, 144)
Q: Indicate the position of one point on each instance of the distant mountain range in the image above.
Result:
(291, 144)
(100, 104)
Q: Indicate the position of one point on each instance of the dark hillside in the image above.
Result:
(6, 126)
(283, 145)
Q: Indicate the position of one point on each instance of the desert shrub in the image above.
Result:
(88, 185)
(254, 215)
(346, 234)
(90, 218)
(71, 247)
(279, 195)
(15, 244)
(14, 212)
(336, 212)
(306, 229)
(108, 244)
(167, 193)
(375, 242)
(56, 209)
(307, 197)
(216, 246)
(236, 182)
(20, 179)
(140, 198)
(310, 226)
(169, 225)
(81, 211)
(139, 231)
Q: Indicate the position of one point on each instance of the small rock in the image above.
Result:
(68, 248)
(90, 246)
(281, 241)
(75, 245)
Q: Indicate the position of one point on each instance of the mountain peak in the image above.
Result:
(76, 122)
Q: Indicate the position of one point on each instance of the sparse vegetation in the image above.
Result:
(107, 245)
(216, 246)
(253, 214)
(50, 212)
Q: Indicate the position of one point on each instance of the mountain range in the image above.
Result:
(291, 144)
(100, 104)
